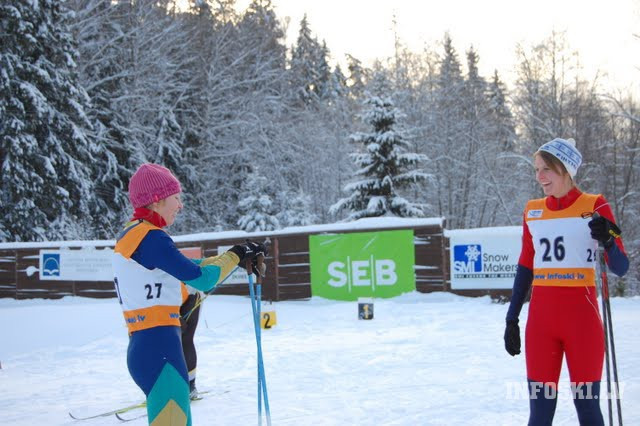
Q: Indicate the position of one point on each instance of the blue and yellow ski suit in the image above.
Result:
(150, 276)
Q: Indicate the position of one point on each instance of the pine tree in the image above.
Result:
(256, 206)
(385, 166)
(474, 112)
(234, 103)
(309, 68)
(503, 122)
(357, 76)
(46, 185)
(260, 28)
(449, 135)
(337, 84)
(498, 159)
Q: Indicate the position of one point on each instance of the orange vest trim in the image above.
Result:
(130, 241)
(574, 273)
(140, 319)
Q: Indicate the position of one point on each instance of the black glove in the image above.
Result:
(512, 337)
(249, 250)
(603, 230)
(254, 250)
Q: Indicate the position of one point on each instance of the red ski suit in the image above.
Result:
(563, 312)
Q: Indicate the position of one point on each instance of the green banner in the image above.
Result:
(364, 264)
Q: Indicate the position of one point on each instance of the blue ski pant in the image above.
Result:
(157, 365)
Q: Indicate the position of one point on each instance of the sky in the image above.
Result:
(602, 32)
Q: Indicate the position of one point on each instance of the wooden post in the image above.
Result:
(15, 269)
(445, 272)
(276, 268)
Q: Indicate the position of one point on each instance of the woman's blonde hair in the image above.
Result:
(553, 162)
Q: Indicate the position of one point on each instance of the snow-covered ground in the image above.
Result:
(426, 359)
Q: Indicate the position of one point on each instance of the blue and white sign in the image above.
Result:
(50, 265)
(467, 257)
(87, 264)
(484, 258)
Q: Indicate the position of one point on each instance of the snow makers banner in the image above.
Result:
(484, 258)
(365, 264)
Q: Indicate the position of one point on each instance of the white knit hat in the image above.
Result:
(564, 150)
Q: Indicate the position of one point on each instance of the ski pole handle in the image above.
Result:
(248, 266)
(260, 267)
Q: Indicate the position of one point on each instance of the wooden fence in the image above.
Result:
(288, 274)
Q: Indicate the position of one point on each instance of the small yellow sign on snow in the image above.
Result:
(268, 319)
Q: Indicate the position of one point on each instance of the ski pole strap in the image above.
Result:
(259, 268)
(186, 317)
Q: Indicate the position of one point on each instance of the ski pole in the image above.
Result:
(263, 380)
(608, 336)
(261, 364)
(255, 303)
(255, 306)
(609, 341)
(606, 350)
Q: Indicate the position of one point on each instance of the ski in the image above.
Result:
(109, 413)
(140, 416)
(130, 419)
(127, 408)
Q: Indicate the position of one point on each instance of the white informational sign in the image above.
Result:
(484, 258)
(76, 265)
(237, 277)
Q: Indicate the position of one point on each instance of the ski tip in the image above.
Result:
(125, 419)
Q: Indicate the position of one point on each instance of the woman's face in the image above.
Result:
(168, 208)
(552, 182)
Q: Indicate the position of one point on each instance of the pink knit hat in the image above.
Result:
(152, 183)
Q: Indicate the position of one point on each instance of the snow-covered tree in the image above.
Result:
(294, 209)
(233, 108)
(44, 151)
(309, 68)
(385, 168)
(449, 135)
(337, 84)
(357, 76)
(619, 161)
(498, 160)
(503, 129)
(256, 206)
(100, 29)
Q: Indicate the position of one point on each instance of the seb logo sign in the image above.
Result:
(363, 273)
(365, 264)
